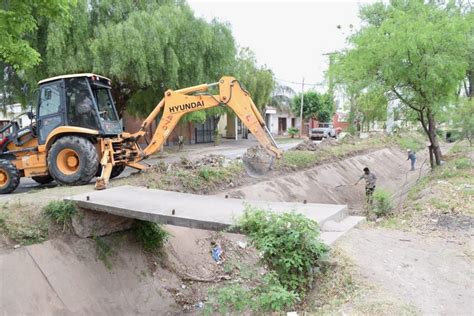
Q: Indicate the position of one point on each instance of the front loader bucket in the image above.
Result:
(257, 161)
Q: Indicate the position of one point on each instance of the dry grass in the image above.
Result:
(443, 200)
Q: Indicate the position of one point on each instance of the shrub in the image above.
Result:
(209, 173)
(272, 296)
(60, 212)
(289, 242)
(151, 235)
(229, 298)
(292, 131)
(382, 202)
(268, 296)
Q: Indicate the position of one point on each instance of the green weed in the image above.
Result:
(22, 226)
(382, 202)
(463, 163)
(104, 251)
(60, 212)
(210, 173)
(299, 159)
(289, 242)
(151, 235)
(410, 141)
(268, 296)
(228, 298)
(392, 222)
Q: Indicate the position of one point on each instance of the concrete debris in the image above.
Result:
(306, 145)
(88, 223)
(242, 244)
(208, 161)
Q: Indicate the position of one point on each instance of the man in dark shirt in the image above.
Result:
(370, 180)
(412, 158)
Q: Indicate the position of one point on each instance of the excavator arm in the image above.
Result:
(177, 103)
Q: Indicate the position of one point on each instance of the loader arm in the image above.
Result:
(177, 103)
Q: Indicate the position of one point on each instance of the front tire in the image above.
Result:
(9, 177)
(73, 160)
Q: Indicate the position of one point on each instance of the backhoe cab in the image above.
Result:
(76, 135)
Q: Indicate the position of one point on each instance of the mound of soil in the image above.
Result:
(208, 160)
(306, 145)
(327, 142)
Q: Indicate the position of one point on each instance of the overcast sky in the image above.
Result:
(288, 36)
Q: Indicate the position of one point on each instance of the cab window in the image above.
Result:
(50, 101)
(105, 105)
(81, 110)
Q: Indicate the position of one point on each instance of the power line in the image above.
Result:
(299, 83)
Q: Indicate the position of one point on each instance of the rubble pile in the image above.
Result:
(208, 161)
(329, 142)
(306, 145)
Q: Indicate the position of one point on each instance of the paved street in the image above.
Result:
(228, 148)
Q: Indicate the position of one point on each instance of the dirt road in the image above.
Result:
(434, 276)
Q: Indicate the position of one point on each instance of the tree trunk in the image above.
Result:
(430, 151)
(434, 138)
(430, 130)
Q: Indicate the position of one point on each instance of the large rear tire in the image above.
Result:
(43, 179)
(9, 177)
(73, 160)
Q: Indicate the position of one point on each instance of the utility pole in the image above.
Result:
(301, 108)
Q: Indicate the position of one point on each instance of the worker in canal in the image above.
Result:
(370, 180)
(412, 158)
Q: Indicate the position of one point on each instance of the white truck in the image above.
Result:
(325, 130)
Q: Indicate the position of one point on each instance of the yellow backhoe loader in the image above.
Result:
(76, 134)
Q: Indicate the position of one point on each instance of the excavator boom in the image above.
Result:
(177, 103)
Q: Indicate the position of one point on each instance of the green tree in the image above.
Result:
(413, 50)
(316, 105)
(19, 20)
(281, 97)
(145, 47)
(258, 80)
(372, 104)
(463, 118)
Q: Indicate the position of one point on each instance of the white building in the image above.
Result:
(279, 121)
(11, 111)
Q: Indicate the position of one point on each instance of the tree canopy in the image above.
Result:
(18, 20)
(145, 47)
(372, 104)
(316, 105)
(414, 51)
(258, 80)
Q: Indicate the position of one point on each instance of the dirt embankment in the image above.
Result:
(69, 277)
(333, 183)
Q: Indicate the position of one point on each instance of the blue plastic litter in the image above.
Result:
(216, 253)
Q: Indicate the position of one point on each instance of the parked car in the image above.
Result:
(325, 130)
